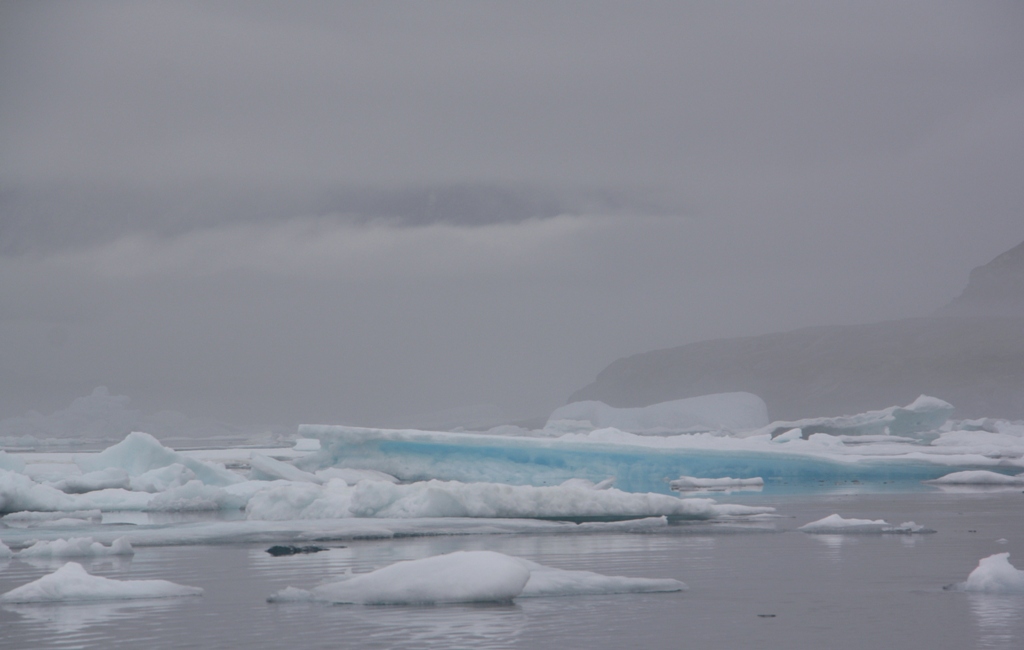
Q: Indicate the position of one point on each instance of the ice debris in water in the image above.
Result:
(978, 477)
(76, 547)
(995, 575)
(71, 582)
(728, 411)
(469, 576)
(922, 415)
(834, 524)
(496, 500)
(689, 483)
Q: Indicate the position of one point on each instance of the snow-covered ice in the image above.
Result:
(979, 477)
(492, 500)
(994, 574)
(72, 582)
(140, 452)
(834, 524)
(109, 478)
(470, 576)
(76, 547)
(460, 577)
(920, 416)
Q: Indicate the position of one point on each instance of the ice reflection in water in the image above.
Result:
(998, 617)
(71, 618)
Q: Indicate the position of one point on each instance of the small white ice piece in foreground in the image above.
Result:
(836, 525)
(71, 582)
(995, 575)
(460, 577)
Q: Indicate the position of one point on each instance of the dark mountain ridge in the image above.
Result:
(970, 353)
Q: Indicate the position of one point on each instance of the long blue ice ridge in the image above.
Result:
(414, 455)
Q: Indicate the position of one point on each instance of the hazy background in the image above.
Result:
(272, 213)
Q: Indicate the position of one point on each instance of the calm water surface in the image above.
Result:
(782, 589)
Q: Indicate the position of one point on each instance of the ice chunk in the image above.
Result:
(920, 416)
(491, 500)
(71, 582)
(459, 577)
(195, 496)
(19, 492)
(162, 479)
(638, 463)
(140, 452)
(994, 574)
(76, 547)
(268, 469)
(5, 552)
(722, 411)
(548, 581)
(111, 477)
(834, 524)
(352, 476)
(686, 483)
(978, 477)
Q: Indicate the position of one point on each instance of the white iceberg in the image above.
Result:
(923, 415)
(722, 411)
(978, 477)
(995, 575)
(140, 452)
(471, 576)
(460, 577)
(71, 582)
(76, 547)
(834, 524)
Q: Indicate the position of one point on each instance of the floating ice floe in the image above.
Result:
(836, 525)
(692, 483)
(922, 415)
(644, 463)
(71, 582)
(722, 411)
(469, 576)
(979, 477)
(491, 500)
(266, 468)
(994, 574)
(76, 547)
(140, 452)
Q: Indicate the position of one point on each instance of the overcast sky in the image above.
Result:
(360, 212)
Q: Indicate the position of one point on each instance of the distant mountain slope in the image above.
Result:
(970, 354)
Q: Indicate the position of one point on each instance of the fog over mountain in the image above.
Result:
(971, 353)
(265, 214)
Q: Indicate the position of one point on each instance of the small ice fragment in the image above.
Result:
(71, 582)
(994, 574)
(786, 436)
(1002, 540)
(5, 551)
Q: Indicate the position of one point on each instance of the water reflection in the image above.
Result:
(71, 618)
(999, 619)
